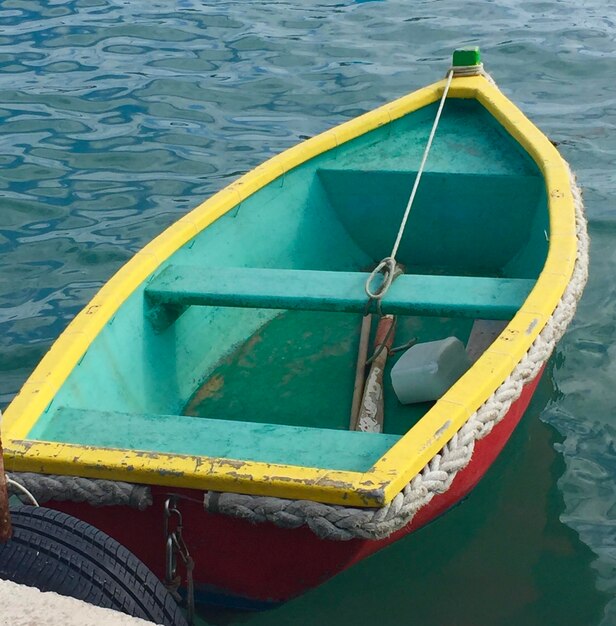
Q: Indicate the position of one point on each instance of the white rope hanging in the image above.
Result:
(16, 486)
(388, 265)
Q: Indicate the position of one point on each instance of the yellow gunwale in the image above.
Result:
(409, 455)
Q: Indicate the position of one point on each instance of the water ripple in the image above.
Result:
(117, 117)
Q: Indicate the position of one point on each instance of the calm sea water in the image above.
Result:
(118, 116)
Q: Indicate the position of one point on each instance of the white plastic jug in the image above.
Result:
(426, 370)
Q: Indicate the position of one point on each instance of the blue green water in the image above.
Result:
(117, 117)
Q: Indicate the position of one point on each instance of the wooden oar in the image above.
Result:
(360, 370)
(372, 411)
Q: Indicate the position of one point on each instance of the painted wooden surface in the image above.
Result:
(283, 562)
(180, 434)
(496, 199)
(471, 223)
(445, 296)
(304, 220)
(306, 362)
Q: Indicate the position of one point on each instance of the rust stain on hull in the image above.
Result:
(209, 389)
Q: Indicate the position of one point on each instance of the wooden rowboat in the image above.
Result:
(212, 377)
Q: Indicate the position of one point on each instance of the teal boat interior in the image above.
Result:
(243, 344)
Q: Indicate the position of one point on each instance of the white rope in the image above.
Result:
(388, 264)
(468, 70)
(460, 71)
(22, 489)
(98, 492)
(422, 166)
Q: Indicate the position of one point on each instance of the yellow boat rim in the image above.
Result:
(388, 476)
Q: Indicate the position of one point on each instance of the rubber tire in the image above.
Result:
(53, 551)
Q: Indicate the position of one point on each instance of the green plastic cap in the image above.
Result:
(465, 57)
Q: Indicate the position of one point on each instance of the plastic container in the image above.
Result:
(426, 370)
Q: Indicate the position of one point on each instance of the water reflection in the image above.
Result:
(118, 117)
(502, 557)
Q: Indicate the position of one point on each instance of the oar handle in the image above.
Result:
(384, 332)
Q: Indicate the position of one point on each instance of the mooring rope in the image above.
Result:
(388, 265)
(14, 487)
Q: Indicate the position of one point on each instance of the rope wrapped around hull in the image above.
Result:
(45, 487)
(341, 523)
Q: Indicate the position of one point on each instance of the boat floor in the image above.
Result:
(283, 397)
(299, 370)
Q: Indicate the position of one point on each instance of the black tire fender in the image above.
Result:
(53, 551)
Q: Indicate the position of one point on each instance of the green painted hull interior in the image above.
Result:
(481, 211)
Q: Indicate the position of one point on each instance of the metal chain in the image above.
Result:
(176, 546)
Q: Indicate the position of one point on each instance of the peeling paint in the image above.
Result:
(210, 389)
(231, 463)
(238, 477)
(373, 496)
(168, 472)
(442, 429)
(24, 443)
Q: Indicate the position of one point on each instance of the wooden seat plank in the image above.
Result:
(177, 287)
(217, 438)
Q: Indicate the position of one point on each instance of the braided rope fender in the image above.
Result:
(45, 487)
(341, 523)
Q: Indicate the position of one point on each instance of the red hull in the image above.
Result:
(262, 562)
